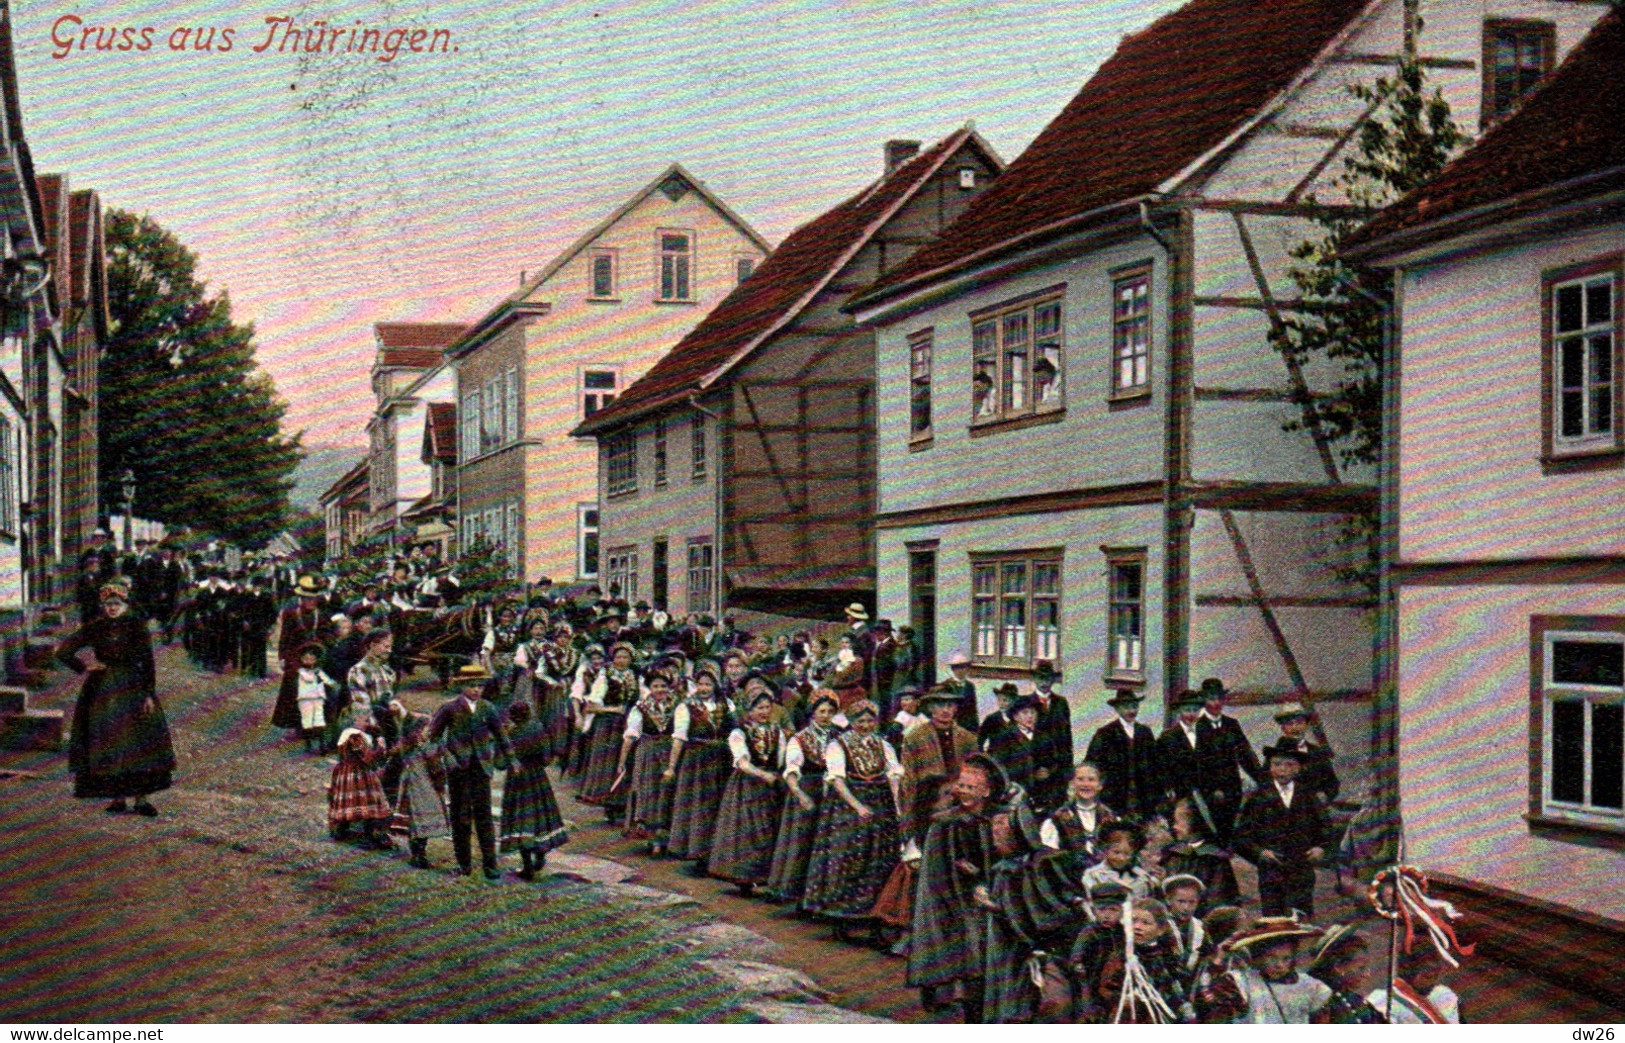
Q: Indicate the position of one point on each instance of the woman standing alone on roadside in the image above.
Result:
(120, 746)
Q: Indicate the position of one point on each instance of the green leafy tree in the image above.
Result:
(184, 405)
(1405, 140)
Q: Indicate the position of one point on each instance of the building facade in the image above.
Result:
(739, 472)
(346, 505)
(1506, 477)
(1105, 475)
(566, 345)
(408, 372)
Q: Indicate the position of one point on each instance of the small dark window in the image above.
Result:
(744, 266)
(603, 276)
(1516, 56)
(1588, 662)
(1568, 750)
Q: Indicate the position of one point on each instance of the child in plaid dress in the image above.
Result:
(355, 794)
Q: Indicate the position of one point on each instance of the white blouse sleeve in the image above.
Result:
(578, 687)
(1049, 836)
(834, 761)
(741, 751)
(490, 643)
(521, 656)
(634, 724)
(894, 767)
(679, 723)
(794, 758)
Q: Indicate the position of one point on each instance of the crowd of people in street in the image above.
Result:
(1020, 880)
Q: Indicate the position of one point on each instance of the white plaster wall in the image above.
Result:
(1464, 694)
(1470, 476)
(1083, 596)
(1093, 445)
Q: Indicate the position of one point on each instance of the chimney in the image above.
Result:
(900, 152)
(523, 275)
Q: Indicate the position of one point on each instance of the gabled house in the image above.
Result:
(408, 371)
(1104, 476)
(1505, 489)
(345, 510)
(564, 346)
(78, 252)
(28, 358)
(747, 451)
(433, 516)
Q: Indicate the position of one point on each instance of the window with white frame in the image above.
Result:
(470, 417)
(1017, 366)
(1131, 332)
(1579, 703)
(514, 540)
(510, 412)
(660, 452)
(696, 444)
(602, 275)
(919, 385)
(621, 572)
(8, 476)
(587, 540)
(1125, 613)
(701, 571)
(622, 465)
(1582, 349)
(676, 265)
(598, 388)
(1016, 608)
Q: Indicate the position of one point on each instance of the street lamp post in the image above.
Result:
(127, 487)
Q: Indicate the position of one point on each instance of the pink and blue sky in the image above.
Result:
(328, 192)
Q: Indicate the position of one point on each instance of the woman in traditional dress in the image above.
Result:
(530, 812)
(731, 685)
(528, 662)
(649, 730)
(615, 692)
(855, 846)
(120, 746)
(586, 677)
(497, 654)
(372, 689)
(700, 729)
(748, 819)
(847, 679)
(804, 781)
(422, 781)
(554, 672)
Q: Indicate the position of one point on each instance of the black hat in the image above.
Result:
(1007, 688)
(882, 624)
(1125, 697)
(707, 620)
(642, 606)
(1213, 688)
(1283, 750)
(938, 694)
(1186, 699)
(1026, 702)
(1044, 670)
(1108, 892)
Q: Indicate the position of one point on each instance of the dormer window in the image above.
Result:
(1516, 55)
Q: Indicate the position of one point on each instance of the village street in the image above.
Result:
(234, 905)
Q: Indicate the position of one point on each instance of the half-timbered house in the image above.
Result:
(564, 346)
(1505, 489)
(740, 469)
(1106, 475)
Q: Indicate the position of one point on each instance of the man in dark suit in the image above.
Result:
(475, 750)
(1006, 694)
(1052, 759)
(1279, 830)
(1177, 761)
(1125, 752)
(1318, 776)
(1015, 746)
(964, 689)
(883, 669)
(1223, 755)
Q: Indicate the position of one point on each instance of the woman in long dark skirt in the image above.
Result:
(855, 847)
(699, 738)
(551, 687)
(649, 730)
(120, 746)
(615, 692)
(530, 812)
(586, 678)
(528, 664)
(804, 780)
(748, 819)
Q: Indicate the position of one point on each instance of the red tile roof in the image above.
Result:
(777, 289)
(436, 335)
(441, 431)
(1170, 93)
(1571, 126)
(410, 358)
